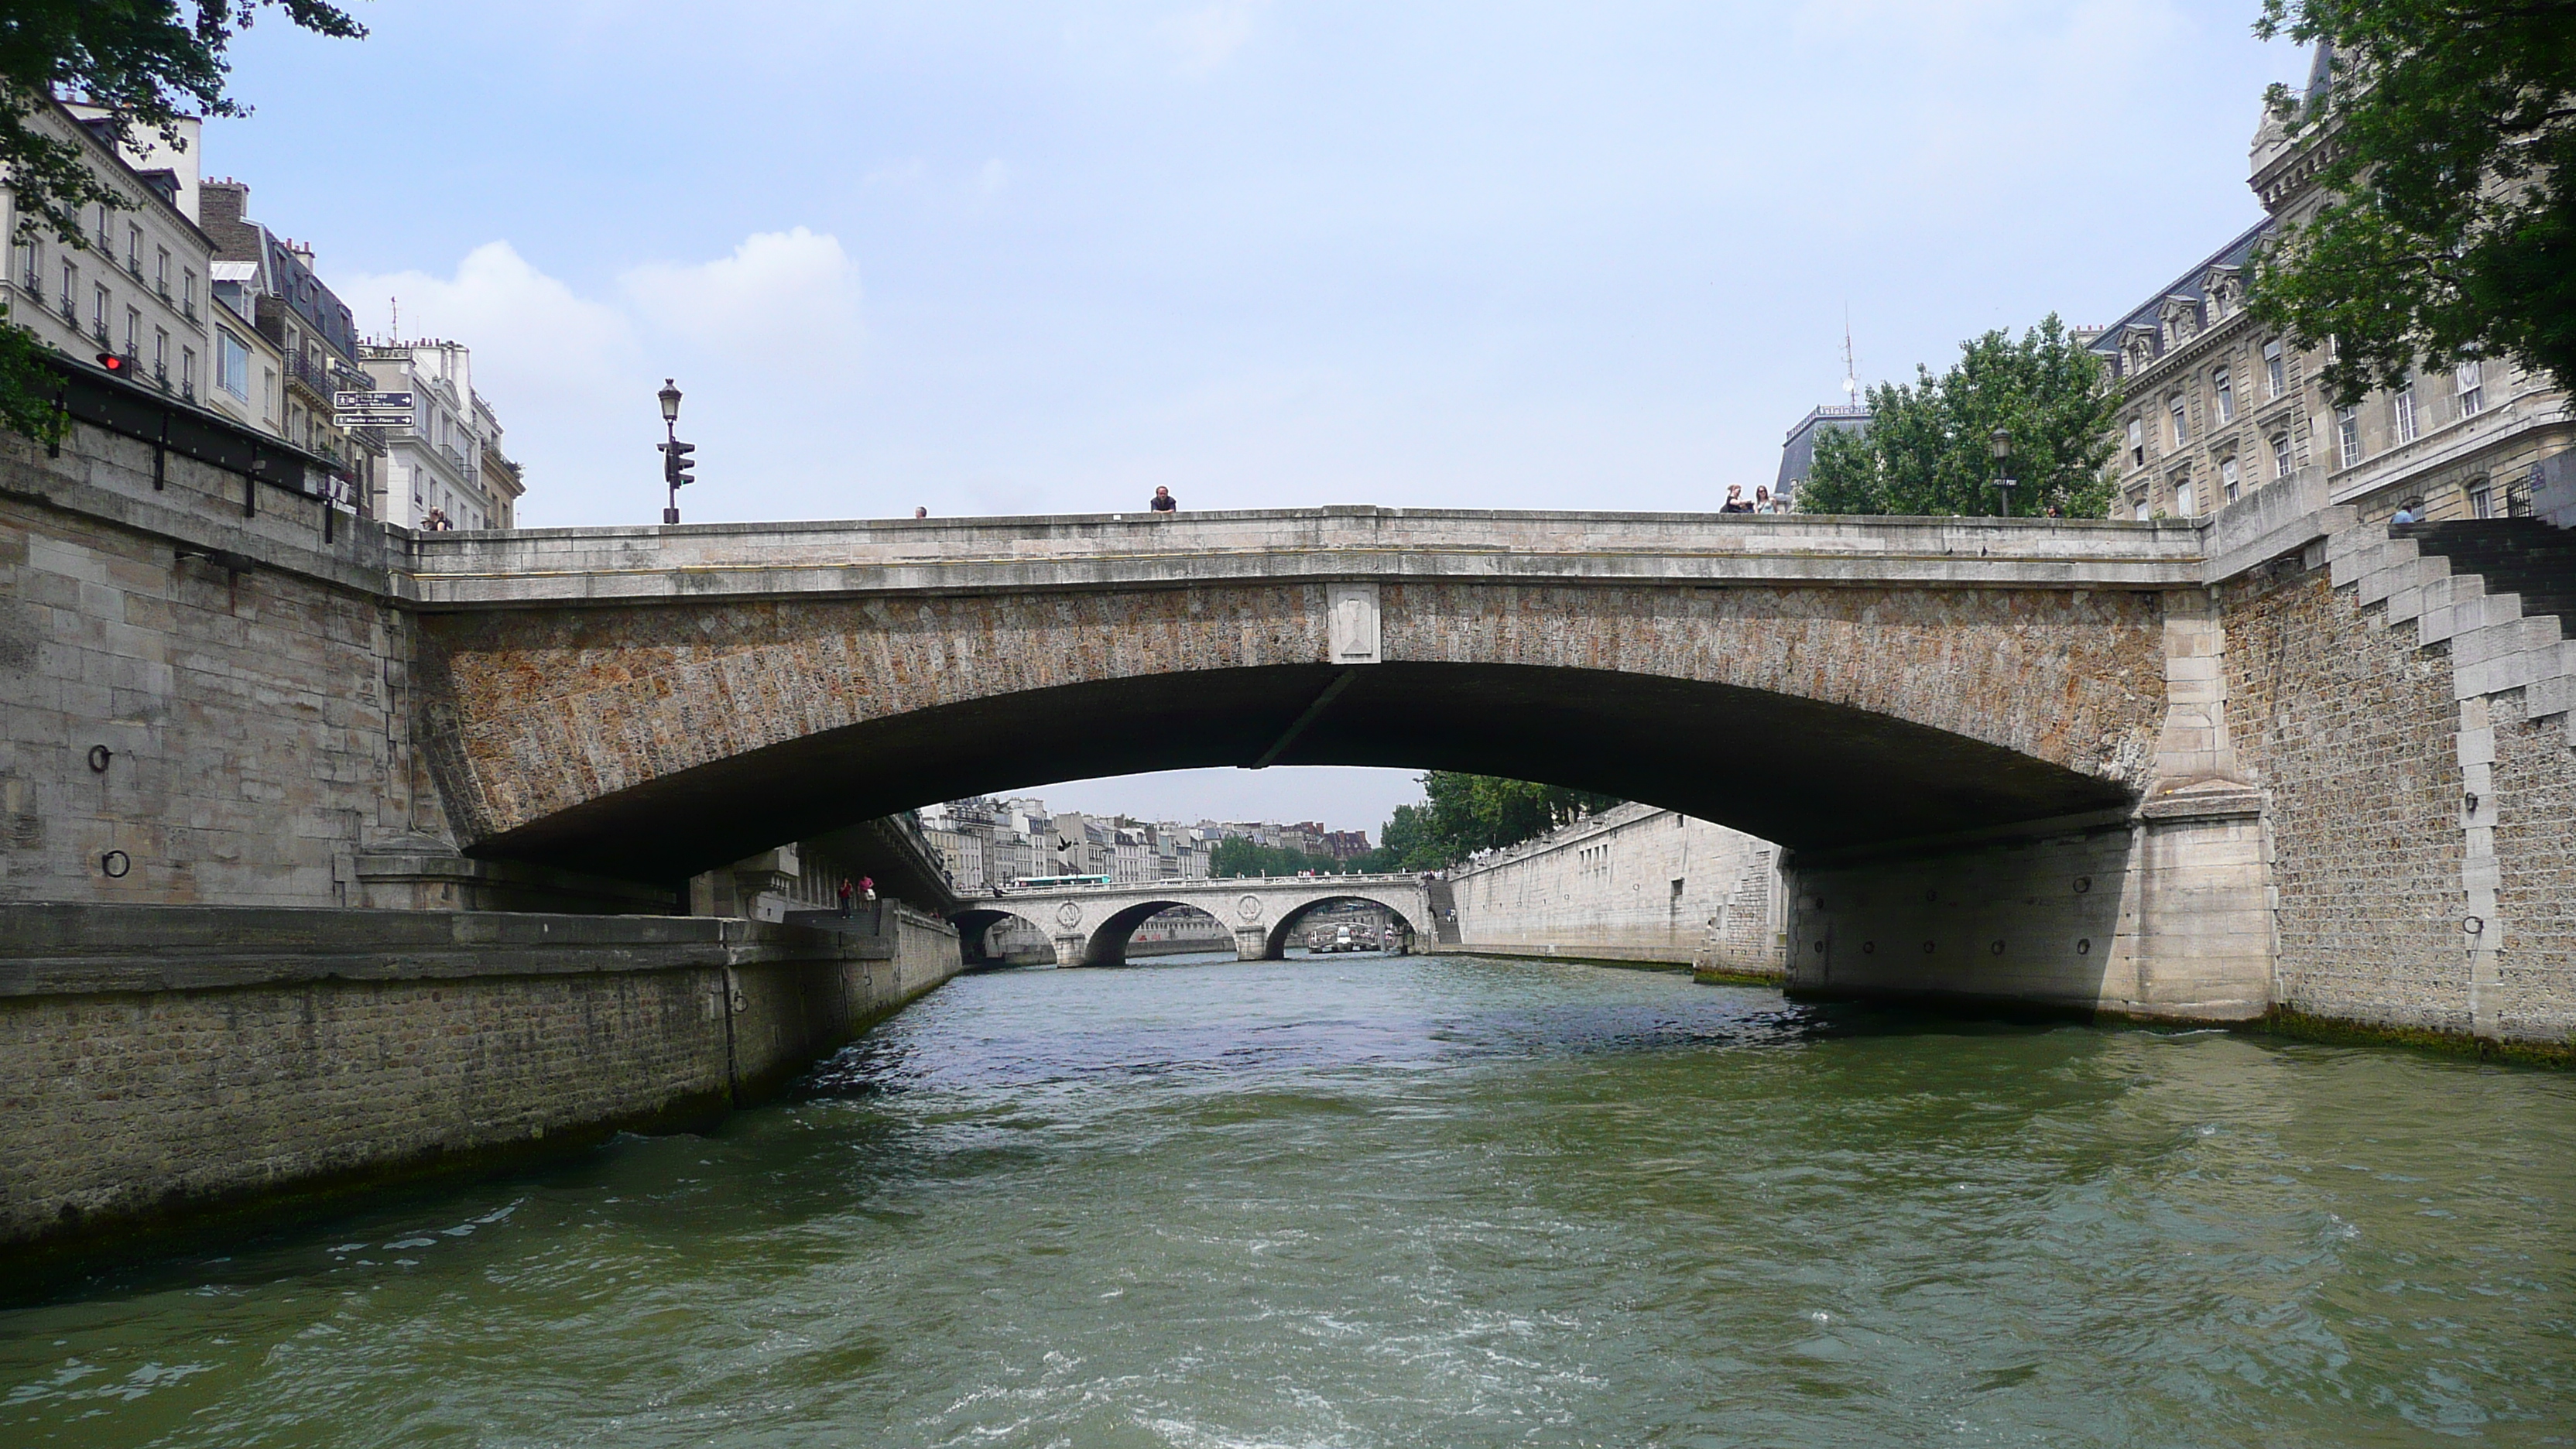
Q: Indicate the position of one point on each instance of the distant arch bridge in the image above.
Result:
(1091, 925)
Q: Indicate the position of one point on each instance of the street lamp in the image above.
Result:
(2000, 443)
(675, 454)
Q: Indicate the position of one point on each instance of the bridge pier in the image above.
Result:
(1252, 943)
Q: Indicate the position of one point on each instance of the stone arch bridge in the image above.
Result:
(646, 703)
(1091, 925)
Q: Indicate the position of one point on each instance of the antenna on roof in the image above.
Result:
(396, 304)
(1851, 367)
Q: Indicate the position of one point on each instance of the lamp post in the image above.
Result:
(2000, 442)
(675, 454)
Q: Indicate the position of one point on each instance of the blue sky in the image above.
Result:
(1042, 257)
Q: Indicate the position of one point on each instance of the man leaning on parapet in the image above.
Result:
(1163, 502)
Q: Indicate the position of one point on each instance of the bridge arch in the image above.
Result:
(654, 740)
(1284, 930)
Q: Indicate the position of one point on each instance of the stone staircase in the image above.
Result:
(2500, 591)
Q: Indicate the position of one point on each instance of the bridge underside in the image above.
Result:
(1809, 775)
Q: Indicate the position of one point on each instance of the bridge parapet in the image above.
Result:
(537, 567)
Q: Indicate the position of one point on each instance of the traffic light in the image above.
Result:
(111, 362)
(676, 462)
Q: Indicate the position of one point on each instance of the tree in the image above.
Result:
(149, 63)
(1237, 857)
(1463, 814)
(1929, 450)
(2446, 132)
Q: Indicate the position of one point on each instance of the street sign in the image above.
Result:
(371, 409)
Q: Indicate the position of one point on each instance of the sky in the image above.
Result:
(1042, 257)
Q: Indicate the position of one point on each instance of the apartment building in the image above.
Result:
(450, 460)
(270, 283)
(134, 283)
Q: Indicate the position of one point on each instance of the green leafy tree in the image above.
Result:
(1462, 814)
(2446, 132)
(1236, 857)
(149, 63)
(1928, 448)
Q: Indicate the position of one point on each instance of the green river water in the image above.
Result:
(1361, 1201)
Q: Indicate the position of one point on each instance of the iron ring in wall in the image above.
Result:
(99, 755)
(2084, 947)
(1997, 948)
(2474, 925)
(1868, 948)
(115, 864)
(2083, 883)
(1927, 948)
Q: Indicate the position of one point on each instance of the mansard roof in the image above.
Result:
(2191, 287)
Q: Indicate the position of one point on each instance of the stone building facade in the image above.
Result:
(2219, 405)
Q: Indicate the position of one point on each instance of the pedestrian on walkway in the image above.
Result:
(1735, 500)
(923, 511)
(1164, 502)
(847, 891)
(1762, 501)
(876, 907)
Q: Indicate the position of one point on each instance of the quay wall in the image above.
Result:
(1633, 883)
(202, 700)
(161, 1065)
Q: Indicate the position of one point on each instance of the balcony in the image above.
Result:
(71, 311)
(134, 265)
(311, 376)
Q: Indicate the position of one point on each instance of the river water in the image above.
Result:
(1360, 1201)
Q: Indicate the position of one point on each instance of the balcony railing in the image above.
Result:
(312, 375)
(71, 311)
(135, 266)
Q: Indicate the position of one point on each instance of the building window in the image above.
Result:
(2481, 498)
(106, 233)
(2280, 455)
(161, 355)
(2182, 498)
(2402, 407)
(2227, 478)
(71, 284)
(187, 372)
(2137, 443)
(2473, 387)
(98, 305)
(232, 364)
(2181, 428)
(161, 274)
(2138, 507)
(2226, 391)
(2275, 372)
(188, 298)
(2347, 436)
(133, 333)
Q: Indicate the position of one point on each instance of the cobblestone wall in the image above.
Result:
(2349, 729)
(2534, 781)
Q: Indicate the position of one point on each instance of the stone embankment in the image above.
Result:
(160, 1065)
(1632, 884)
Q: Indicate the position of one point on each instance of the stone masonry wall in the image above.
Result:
(155, 1065)
(2348, 726)
(1630, 884)
(255, 724)
(2534, 780)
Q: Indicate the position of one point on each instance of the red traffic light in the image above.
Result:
(111, 362)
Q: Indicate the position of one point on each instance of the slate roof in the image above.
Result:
(2191, 285)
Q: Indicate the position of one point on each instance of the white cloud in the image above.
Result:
(778, 290)
(1206, 39)
(521, 322)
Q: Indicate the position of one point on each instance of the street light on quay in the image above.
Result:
(2000, 441)
(676, 462)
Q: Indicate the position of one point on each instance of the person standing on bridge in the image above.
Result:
(847, 891)
(1163, 501)
(1735, 500)
(876, 907)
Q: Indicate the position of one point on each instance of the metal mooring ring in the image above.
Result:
(115, 864)
(2474, 925)
(99, 755)
(2084, 946)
